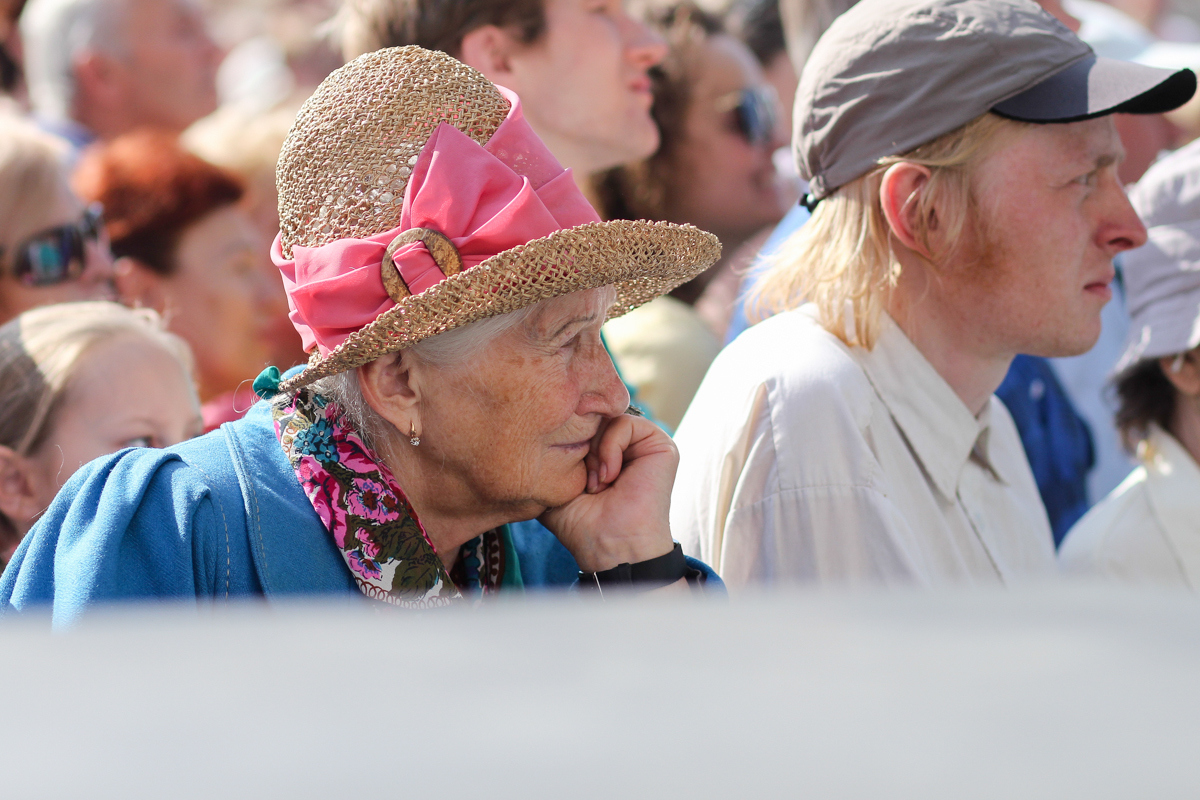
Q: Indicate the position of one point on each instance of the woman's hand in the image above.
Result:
(621, 517)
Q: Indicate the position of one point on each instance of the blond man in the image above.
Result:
(966, 209)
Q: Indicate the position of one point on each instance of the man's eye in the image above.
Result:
(140, 441)
(1087, 179)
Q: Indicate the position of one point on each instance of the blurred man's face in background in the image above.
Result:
(584, 84)
(171, 63)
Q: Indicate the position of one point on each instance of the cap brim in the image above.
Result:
(1094, 86)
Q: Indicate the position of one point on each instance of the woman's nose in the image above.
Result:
(608, 395)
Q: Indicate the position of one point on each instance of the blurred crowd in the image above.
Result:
(138, 145)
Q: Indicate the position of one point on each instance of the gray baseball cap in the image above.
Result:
(1162, 277)
(891, 75)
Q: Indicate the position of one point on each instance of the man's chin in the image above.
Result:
(1067, 346)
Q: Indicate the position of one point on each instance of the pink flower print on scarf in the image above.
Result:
(376, 530)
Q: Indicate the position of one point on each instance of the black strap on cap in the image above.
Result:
(643, 576)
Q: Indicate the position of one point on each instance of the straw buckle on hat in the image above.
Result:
(444, 253)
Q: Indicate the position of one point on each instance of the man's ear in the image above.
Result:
(19, 496)
(392, 388)
(489, 49)
(138, 285)
(1183, 372)
(900, 195)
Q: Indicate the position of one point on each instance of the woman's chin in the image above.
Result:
(564, 490)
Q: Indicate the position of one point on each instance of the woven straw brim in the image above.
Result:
(642, 260)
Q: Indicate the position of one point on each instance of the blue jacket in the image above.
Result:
(1058, 442)
(220, 516)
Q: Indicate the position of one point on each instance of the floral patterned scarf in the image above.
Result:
(375, 529)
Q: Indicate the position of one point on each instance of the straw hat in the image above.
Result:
(347, 179)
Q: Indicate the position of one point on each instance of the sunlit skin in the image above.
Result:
(1052, 215)
(535, 422)
(129, 391)
(96, 282)
(584, 85)
(219, 298)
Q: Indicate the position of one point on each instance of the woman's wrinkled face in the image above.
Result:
(511, 428)
(221, 301)
(129, 391)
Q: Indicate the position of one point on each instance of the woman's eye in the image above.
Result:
(140, 441)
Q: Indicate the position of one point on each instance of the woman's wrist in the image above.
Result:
(603, 556)
(654, 573)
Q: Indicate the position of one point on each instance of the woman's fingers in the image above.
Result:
(611, 450)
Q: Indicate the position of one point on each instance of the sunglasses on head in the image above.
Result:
(58, 254)
(754, 112)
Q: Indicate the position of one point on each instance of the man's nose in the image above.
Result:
(1121, 229)
(645, 46)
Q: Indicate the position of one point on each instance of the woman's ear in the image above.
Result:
(488, 49)
(138, 285)
(20, 499)
(1183, 372)
(900, 195)
(392, 388)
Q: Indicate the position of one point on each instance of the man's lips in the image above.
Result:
(1101, 287)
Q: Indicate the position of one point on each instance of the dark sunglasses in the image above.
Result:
(58, 254)
(754, 112)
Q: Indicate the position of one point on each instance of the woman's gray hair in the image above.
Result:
(453, 350)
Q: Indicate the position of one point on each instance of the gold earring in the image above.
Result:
(413, 439)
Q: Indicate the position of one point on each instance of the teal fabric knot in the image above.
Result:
(266, 385)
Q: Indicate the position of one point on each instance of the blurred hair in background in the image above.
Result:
(369, 25)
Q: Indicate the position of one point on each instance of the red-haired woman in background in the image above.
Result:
(185, 248)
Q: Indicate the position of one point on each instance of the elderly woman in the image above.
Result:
(449, 281)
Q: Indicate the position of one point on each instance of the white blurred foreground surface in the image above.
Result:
(1039, 694)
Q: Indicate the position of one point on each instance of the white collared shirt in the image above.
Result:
(804, 460)
(1147, 531)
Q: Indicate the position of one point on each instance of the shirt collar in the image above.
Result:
(939, 428)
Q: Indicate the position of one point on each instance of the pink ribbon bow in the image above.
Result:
(484, 199)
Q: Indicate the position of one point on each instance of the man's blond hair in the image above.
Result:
(842, 258)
